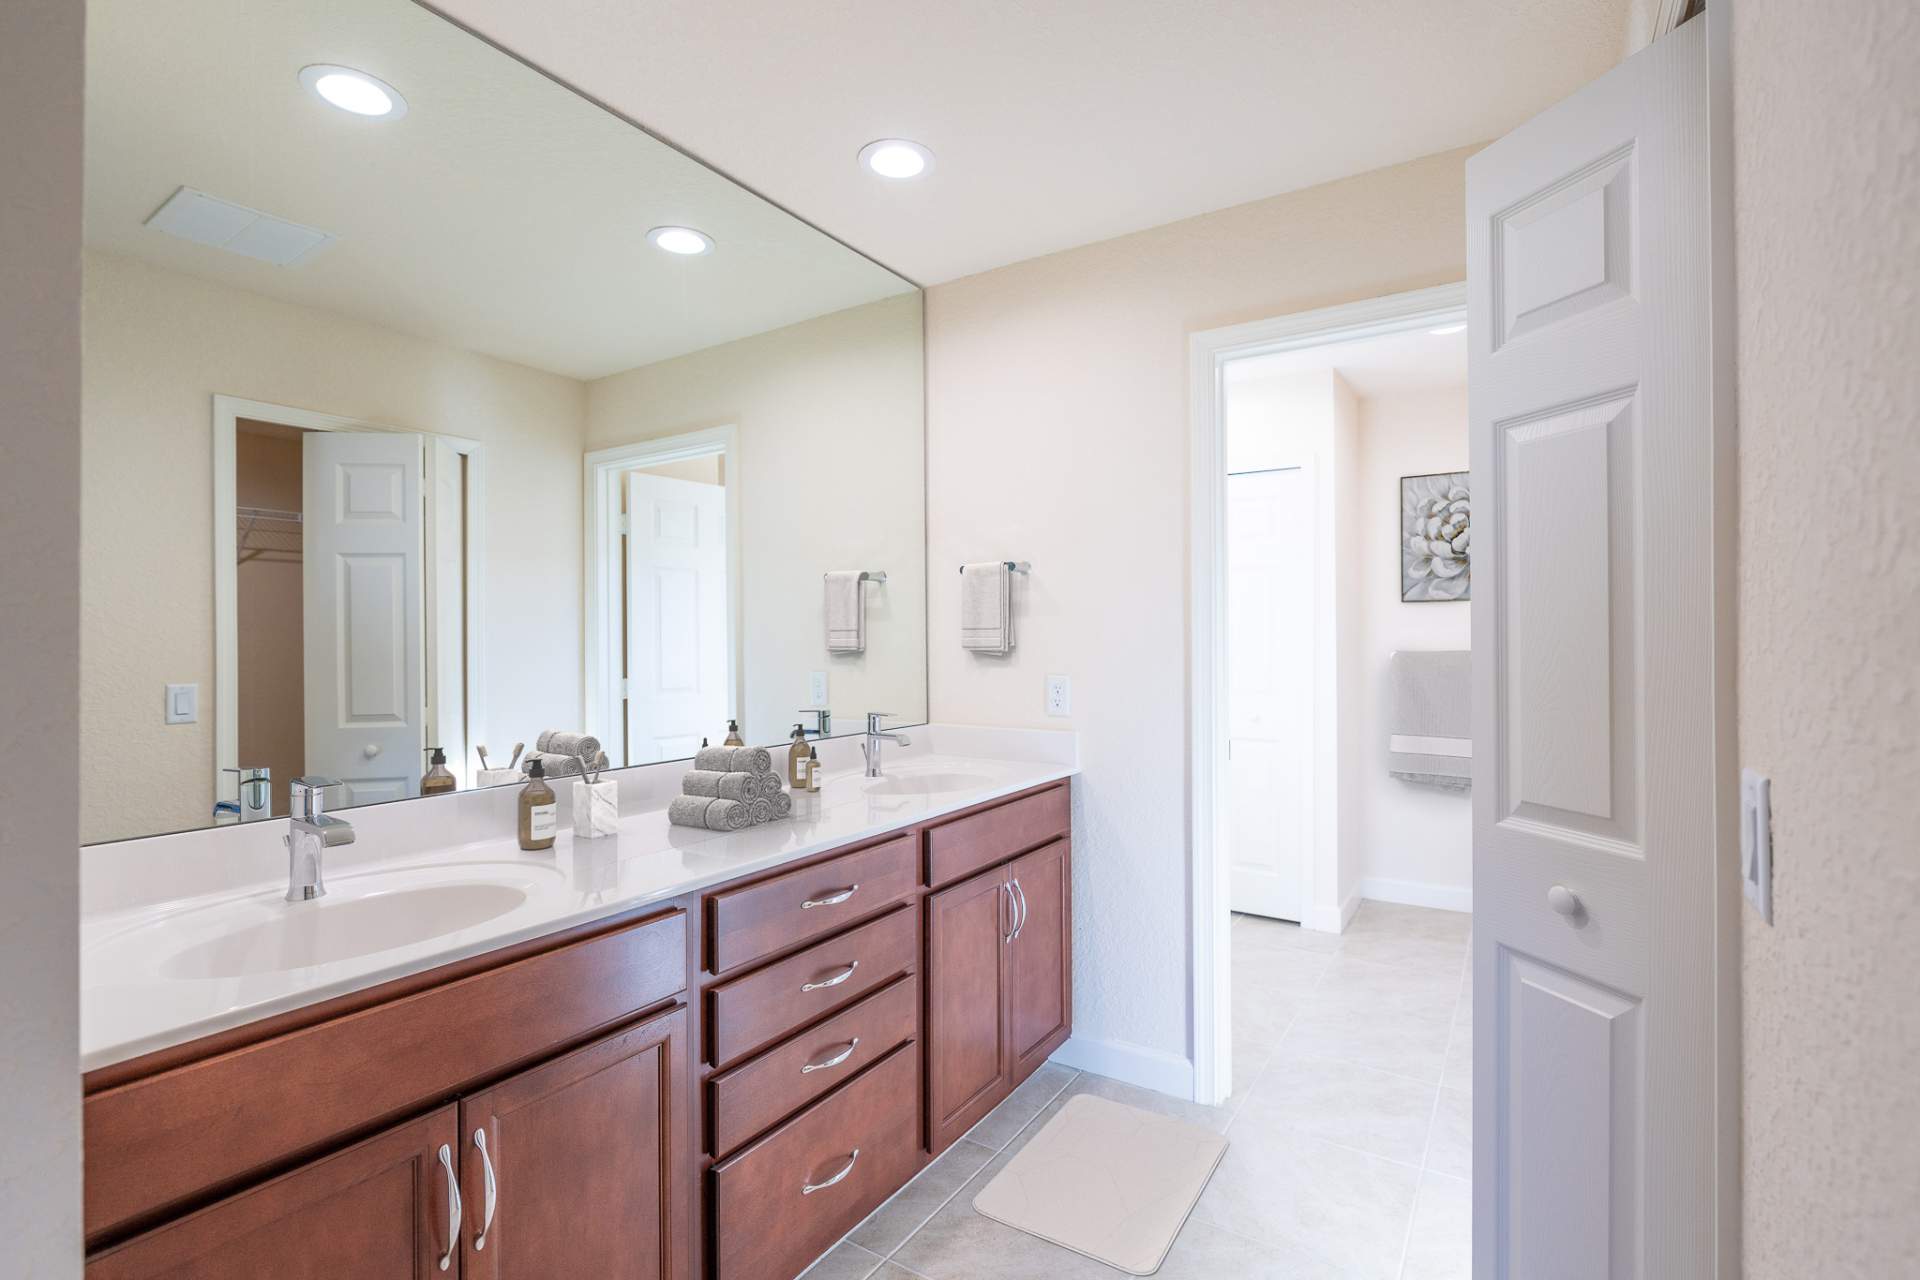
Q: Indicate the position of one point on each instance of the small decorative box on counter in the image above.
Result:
(596, 809)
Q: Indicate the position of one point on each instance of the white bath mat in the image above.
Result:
(1107, 1180)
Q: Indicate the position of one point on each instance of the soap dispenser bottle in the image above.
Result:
(813, 769)
(439, 779)
(733, 735)
(797, 759)
(539, 811)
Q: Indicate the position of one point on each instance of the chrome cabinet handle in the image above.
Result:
(1021, 893)
(808, 1188)
(831, 900)
(1013, 912)
(486, 1168)
(455, 1212)
(835, 1060)
(834, 981)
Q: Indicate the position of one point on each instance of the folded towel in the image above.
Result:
(846, 612)
(986, 607)
(733, 760)
(1431, 718)
(555, 742)
(714, 815)
(722, 786)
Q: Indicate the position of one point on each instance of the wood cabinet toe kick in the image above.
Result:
(728, 1083)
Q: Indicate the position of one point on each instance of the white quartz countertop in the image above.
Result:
(162, 973)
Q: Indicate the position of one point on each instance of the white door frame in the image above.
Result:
(227, 413)
(1210, 353)
(604, 467)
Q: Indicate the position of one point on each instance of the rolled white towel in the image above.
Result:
(713, 815)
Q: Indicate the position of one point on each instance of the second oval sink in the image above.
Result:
(924, 784)
(323, 932)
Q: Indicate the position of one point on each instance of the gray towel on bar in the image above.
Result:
(733, 760)
(1430, 718)
(846, 611)
(713, 815)
(986, 607)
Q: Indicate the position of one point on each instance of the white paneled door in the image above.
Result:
(1594, 679)
(676, 616)
(1269, 693)
(365, 646)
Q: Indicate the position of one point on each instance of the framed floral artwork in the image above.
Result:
(1436, 536)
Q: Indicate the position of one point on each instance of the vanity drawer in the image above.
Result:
(766, 1004)
(763, 918)
(753, 1095)
(159, 1140)
(965, 845)
(768, 1224)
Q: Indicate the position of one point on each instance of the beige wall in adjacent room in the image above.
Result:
(831, 452)
(41, 72)
(159, 346)
(1827, 242)
(1057, 393)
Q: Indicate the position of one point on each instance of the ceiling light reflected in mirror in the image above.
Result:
(896, 158)
(354, 91)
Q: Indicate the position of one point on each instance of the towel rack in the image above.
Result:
(1013, 566)
(869, 575)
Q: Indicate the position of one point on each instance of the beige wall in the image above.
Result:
(1414, 841)
(1057, 432)
(829, 414)
(159, 346)
(270, 608)
(1827, 241)
(41, 102)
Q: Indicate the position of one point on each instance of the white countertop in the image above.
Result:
(140, 966)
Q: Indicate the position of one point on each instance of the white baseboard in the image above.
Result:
(1417, 893)
(1332, 919)
(1128, 1063)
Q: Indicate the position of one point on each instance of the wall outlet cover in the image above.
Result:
(183, 703)
(1059, 695)
(817, 688)
(1756, 841)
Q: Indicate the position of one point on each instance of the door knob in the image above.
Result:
(371, 750)
(1564, 900)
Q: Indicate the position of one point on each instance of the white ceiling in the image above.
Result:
(503, 213)
(1057, 122)
(1395, 364)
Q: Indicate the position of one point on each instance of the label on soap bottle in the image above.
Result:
(543, 821)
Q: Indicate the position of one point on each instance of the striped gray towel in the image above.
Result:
(1431, 718)
(713, 815)
(721, 786)
(733, 760)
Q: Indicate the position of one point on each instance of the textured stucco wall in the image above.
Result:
(1827, 184)
(1057, 432)
(41, 58)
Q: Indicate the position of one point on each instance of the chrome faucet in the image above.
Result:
(311, 831)
(870, 745)
(823, 721)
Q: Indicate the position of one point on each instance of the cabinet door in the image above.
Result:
(968, 1065)
(588, 1157)
(1040, 981)
(380, 1210)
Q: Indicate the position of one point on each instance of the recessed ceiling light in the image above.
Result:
(1446, 329)
(896, 158)
(354, 91)
(681, 240)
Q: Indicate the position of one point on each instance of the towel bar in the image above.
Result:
(870, 575)
(1013, 566)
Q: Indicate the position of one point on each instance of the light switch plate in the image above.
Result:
(817, 688)
(183, 703)
(1059, 695)
(1756, 841)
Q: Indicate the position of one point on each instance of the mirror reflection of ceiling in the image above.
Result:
(502, 213)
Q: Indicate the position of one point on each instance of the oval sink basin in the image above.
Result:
(925, 784)
(323, 932)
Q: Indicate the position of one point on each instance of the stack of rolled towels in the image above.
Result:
(565, 755)
(730, 789)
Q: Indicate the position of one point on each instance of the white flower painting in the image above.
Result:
(1436, 536)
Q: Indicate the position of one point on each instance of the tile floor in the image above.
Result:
(1349, 1127)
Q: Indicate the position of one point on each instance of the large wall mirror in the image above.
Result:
(428, 404)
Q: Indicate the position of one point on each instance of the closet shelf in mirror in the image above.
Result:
(266, 532)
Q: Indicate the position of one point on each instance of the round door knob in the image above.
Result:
(1563, 900)
(371, 750)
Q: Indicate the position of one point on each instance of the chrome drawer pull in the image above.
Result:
(808, 1188)
(832, 899)
(486, 1168)
(835, 1060)
(455, 1212)
(834, 981)
(1020, 891)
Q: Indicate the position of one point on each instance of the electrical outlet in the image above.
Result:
(817, 688)
(1059, 695)
(1756, 841)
